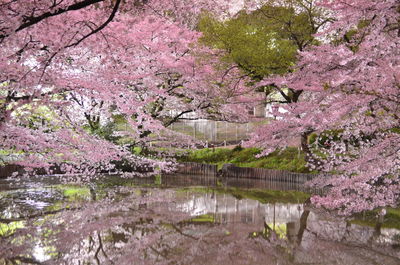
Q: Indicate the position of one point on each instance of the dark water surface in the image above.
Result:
(182, 220)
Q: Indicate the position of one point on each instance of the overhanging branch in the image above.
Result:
(30, 21)
(102, 26)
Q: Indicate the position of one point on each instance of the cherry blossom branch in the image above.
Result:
(102, 26)
(30, 21)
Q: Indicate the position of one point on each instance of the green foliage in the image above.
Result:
(395, 130)
(237, 148)
(262, 42)
(207, 155)
(107, 131)
(137, 150)
(325, 137)
(289, 159)
(117, 123)
(254, 47)
(36, 116)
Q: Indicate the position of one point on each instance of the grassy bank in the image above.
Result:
(289, 159)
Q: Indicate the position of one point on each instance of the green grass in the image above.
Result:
(289, 159)
(74, 192)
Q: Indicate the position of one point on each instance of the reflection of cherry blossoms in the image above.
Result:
(157, 226)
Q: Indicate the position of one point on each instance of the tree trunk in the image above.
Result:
(305, 147)
(3, 113)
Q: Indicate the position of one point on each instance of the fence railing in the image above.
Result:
(232, 171)
(267, 174)
(214, 131)
(191, 168)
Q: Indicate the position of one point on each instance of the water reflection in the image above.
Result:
(227, 209)
(148, 222)
(180, 180)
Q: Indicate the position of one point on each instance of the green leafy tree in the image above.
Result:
(266, 42)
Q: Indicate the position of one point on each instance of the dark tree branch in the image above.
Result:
(110, 18)
(176, 117)
(12, 96)
(30, 21)
(286, 97)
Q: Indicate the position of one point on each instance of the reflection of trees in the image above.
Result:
(303, 225)
(354, 244)
(147, 226)
(309, 231)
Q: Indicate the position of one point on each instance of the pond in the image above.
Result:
(183, 220)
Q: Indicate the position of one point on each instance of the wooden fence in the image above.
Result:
(232, 171)
(267, 174)
(191, 168)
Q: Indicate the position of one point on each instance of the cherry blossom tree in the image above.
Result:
(68, 63)
(351, 84)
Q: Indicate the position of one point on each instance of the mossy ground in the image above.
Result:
(290, 159)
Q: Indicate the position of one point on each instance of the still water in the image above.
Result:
(183, 220)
